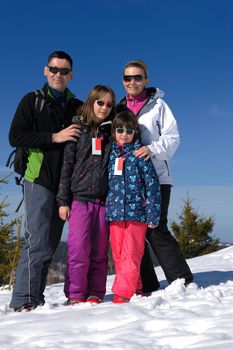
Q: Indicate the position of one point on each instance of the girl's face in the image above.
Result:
(124, 135)
(134, 81)
(103, 106)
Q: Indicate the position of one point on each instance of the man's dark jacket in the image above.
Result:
(35, 135)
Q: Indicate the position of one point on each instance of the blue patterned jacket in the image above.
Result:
(134, 195)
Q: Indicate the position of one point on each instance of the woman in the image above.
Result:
(160, 139)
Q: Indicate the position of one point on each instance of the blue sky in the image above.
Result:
(188, 46)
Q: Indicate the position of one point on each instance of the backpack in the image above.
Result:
(20, 154)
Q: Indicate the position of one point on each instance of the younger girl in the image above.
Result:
(133, 204)
(81, 198)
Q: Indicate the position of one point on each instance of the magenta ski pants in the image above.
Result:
(87, 260)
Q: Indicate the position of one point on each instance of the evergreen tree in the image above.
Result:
(192, 232)
(9, 247)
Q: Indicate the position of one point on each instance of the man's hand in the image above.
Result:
(71, 133)
(64, 213)
(143, 152)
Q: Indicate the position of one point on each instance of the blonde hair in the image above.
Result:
(138, 64)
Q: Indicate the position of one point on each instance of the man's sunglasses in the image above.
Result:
(122, 130)
(137, 78)
(55, 70)
(102, 103)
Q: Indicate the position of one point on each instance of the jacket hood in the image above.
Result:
(155, 93)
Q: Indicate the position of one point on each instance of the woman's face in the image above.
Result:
(103, 106)
(134, 81)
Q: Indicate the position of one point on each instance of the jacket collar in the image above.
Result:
(68, 94)
(126, 147)
(152, 94)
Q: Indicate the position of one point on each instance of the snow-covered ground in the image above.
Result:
(175, 317)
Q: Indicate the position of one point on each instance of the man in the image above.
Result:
(44, 138)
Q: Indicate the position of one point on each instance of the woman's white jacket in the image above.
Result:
(159, 132)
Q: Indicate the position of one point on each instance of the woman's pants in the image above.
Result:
(166, 250)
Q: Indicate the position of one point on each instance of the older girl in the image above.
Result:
(81, 198)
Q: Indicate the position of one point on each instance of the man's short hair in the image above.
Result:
(61, 55)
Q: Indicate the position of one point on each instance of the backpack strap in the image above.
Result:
(19, 183)
(39, 102)
(18, 179)
(10, 162)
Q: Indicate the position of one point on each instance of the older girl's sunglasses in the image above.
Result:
(102, 103)
(122, 130)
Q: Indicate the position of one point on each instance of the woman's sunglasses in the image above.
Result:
(122, 130)
(102, 103)
(137, 78)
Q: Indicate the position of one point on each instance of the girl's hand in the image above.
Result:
(143, 152)
(64, 213)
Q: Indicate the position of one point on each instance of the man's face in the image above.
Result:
(56, 79)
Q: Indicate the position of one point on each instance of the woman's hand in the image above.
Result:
(64, 213)
(143, 151)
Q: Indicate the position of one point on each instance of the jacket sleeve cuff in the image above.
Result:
(152, 150)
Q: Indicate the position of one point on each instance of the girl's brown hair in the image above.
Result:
(96, 93)
(129, 121)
